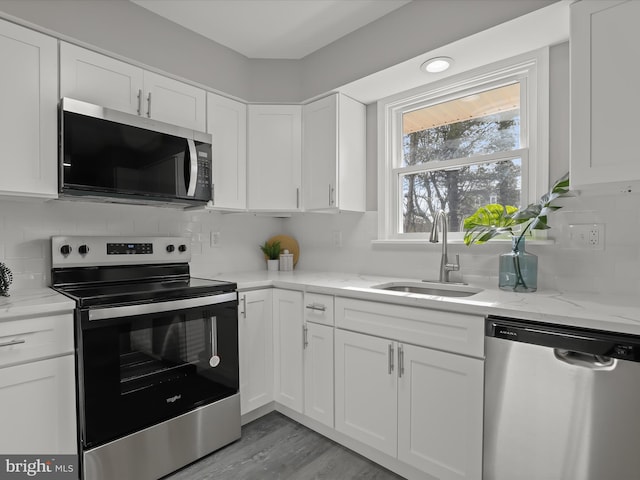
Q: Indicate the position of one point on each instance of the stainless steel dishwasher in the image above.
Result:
(561, 403)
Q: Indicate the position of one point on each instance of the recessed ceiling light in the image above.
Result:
(437, 64)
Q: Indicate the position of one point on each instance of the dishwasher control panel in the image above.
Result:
(565, 338)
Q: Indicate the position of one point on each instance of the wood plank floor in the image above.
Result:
(275, 447)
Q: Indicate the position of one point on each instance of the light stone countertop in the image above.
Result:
(597, 311)
(34, 302)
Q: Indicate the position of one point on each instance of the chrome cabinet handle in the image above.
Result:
(390, 358)
(193, 168)
(298, 197)
(316, 306)
(400, 361)
(244, 306)
(305, 336)
(12, 342)
(330, 195)
(149, 105)
(139, 101)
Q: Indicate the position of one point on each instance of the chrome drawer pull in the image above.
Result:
(12, 342)
(317, 306)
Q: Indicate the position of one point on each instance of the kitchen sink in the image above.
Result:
(430, 288)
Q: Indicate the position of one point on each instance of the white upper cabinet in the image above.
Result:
(101, 80)
(605, 73)
(105, 81)
(28, 115)
(227, 123)
(334, 154)
(274, 176)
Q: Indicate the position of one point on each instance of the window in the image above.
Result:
(464, 142)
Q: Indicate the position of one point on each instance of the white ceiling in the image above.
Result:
(284, 29)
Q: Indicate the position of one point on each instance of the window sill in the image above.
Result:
(425, 241)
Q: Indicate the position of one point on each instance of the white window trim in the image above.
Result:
(533, 67)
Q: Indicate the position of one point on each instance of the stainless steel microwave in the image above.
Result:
(112, 156)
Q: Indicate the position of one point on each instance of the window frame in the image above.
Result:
(531, 70)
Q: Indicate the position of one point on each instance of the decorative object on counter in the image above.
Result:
(271, 250)
(286, 261)
(518, 269)
(6, 277)
(288, 243)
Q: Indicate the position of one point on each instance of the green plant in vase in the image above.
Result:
(518, 269)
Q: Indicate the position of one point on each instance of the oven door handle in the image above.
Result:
(143, 309)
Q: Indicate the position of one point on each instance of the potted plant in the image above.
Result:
(518, 269)
(272, 253)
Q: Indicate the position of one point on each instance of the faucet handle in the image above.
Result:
(454, 266)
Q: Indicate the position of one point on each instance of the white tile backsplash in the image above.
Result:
(25, 228)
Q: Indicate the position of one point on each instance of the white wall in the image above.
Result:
(131, 31)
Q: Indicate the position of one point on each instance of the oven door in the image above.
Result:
(139, 365)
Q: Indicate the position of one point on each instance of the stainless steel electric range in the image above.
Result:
(156, 353)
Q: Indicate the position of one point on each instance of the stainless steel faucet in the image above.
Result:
(440, 219)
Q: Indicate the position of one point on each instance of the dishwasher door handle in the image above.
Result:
(586, 360)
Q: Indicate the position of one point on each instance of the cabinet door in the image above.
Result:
(320, 153)
(227, 123)
(318, 373)
(366, 396)
(174, 102)
(256, 349)
(101, 80)
(334, 154)
(440, 410)
(38, 413)
(604, 96)
(275, 156)
(28, 112)
(287, 346)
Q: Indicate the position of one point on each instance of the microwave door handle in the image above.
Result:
(193, 168)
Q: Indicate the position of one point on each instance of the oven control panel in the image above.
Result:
(130, 248)
(83, 251)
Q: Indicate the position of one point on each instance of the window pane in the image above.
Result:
(459, 192)
(478, 124)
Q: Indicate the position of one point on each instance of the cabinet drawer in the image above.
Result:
(318, 308)
(453, 332)
(27, 339)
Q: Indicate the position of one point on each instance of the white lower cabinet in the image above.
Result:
(366, 390)
(287, 347)
(420, 405)
(440, 411)
(255, 334)
(318, 373)
(38, 414)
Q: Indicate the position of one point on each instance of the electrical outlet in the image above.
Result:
(337, 239)
(215, 239)
(589, 236)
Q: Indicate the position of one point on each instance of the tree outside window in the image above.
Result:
(468, 151)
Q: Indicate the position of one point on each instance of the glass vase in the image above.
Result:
(518, 268)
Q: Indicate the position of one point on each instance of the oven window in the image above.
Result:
(163, 349)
